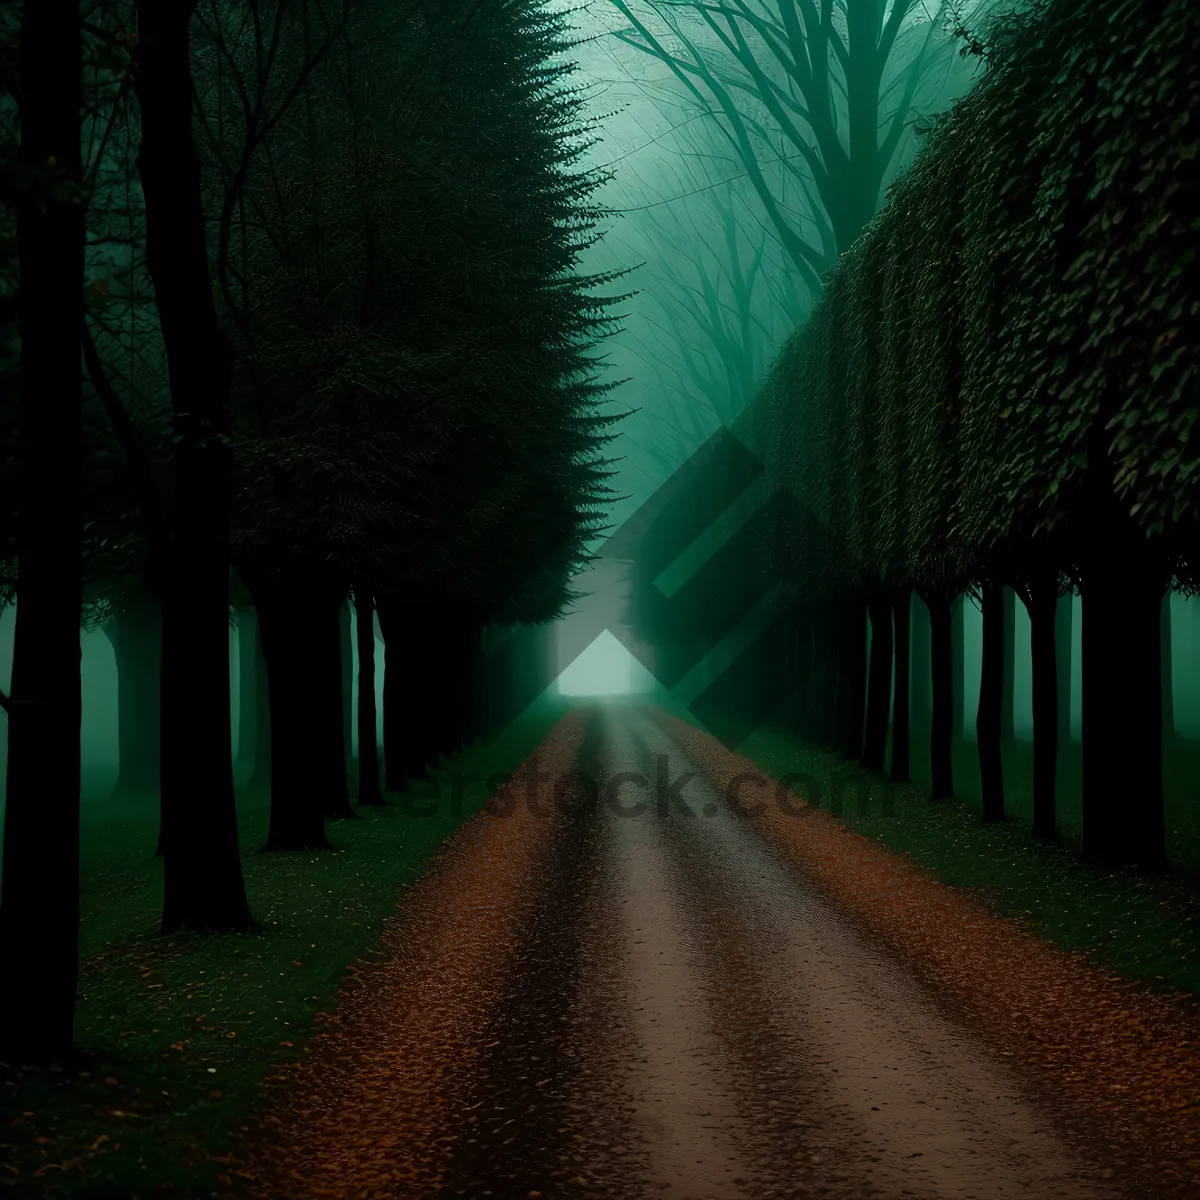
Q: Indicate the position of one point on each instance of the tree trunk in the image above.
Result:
(1064, 650)
(476, 717)
(468, 639)
(261, 778)
(202, 878)
(856, 632)
(461, 686)
(247, 687)
(920, 675)
(841, 683)
(1047, 684)
(879, 693)
(441, 676)
(828, 653)
(902, 605)
(470, 681)
(791, 653)
(852, 679)
(942, 692)
(816, 699)
(809, 673)
(1122, 714)
(806, 675)
(307, 762)
(423, 700)
(1008, 689)
(39, 907)
(485, 676)
(395, 735)
(471, 699)
(504, 664)
(1168, 672)
(989, 719)
(136, 636)
(957, 669)
(369, 791)
(329, 655)
(346, 651)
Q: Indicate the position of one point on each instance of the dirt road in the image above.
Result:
(615, 986)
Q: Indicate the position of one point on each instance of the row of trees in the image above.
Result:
(318, 261)
(997, 395)
(467, 687)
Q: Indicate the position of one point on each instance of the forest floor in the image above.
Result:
(184, 1028)
(710, 1000)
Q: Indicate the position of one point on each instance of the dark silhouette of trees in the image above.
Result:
(203, 887)
(413, 413)
(39, 904)
(310, 422)
(446, 453)
(135, 632)
(989, 718)
(370, 790)
(989, 399)
(901, 732)
(879, 685)
(346, 691)
(254, 717)
(813, 102)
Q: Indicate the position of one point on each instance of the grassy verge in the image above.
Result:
(184, 1028)
(1181, 788)
(1140, 925)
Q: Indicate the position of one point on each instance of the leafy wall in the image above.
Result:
(1001, 375)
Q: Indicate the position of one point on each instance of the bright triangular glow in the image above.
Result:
(605, 668)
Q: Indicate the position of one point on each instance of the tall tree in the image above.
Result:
(300, 646)
(902, 606)
(39, 904)
(1050, 659)
(989, 720)
(942, 731)
(203, 885)
(813, 97)
(136, 635)
(346, 643)
(369, 790)
(879, 683)
(249, 745)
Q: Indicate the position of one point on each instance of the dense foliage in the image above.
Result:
(1014, 335)
(997, 390)
(415, 398)
(335, 337)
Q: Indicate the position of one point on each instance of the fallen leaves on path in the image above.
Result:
(365, 1111)
(1117, 1051)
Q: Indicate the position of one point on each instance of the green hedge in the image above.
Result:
(1010, 346)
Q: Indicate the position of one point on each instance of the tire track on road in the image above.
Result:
(525, 1122)
(903, 1100)
(684, 1107)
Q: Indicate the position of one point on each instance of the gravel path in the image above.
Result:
(585, 998)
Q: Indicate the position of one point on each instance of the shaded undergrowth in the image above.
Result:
(182, 1029)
